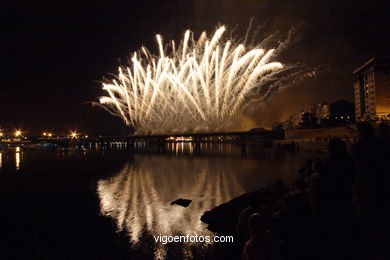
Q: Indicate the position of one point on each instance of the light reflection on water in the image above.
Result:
(138, 197)
(17, 158)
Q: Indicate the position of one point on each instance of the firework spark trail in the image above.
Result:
(198, 86)
(138, 198)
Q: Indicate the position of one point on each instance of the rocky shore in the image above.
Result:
(223, 218)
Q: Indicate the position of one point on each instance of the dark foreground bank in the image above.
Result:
(337, 208)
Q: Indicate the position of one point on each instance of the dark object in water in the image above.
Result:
(181, 202)
(223, 218)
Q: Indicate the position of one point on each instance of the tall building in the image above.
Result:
(294, 121)
(372, 89)
(342, 111)
(320, 111)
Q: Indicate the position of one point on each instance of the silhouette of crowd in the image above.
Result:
(336, 209)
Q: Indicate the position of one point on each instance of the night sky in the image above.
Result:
(54, 55)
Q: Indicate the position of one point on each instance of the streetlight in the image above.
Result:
(18, 133)
(73, 134)
(49, 135)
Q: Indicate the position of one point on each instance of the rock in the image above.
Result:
(223, 218)
(181, 202)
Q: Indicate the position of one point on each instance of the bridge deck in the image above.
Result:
(265, 134)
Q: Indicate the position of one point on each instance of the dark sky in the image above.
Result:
(54, 54)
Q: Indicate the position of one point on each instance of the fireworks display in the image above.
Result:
(199, 86)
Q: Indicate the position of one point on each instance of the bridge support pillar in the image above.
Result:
(130, 144)
(161, 145)
(197, 149)
(243, 145)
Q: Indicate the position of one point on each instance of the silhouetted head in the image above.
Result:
(256, 224)
(383, 129)
(309, 162)
(337, 147)
(300, 184)
(365, 129)
(253, 200)
(307, 166)
(316, 166)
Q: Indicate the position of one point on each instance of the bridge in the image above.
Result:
(259, 133)
(264, 137)
(259, 137)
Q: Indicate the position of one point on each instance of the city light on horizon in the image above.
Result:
(18, 133)
(32, 133)
(74, 134)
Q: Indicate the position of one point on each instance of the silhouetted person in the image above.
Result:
(296, 223)
(384, 152)
(383, 133)
(262, 244)
(306, 169)
(298, 200)
(366, 151)
(242, 228)
(336, 179)
(313, 188)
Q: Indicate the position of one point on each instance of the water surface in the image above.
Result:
(85, 197)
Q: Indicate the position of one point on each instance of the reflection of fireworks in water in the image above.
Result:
(199, 86)
(138, 199)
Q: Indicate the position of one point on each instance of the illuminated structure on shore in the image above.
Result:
(372, 89)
